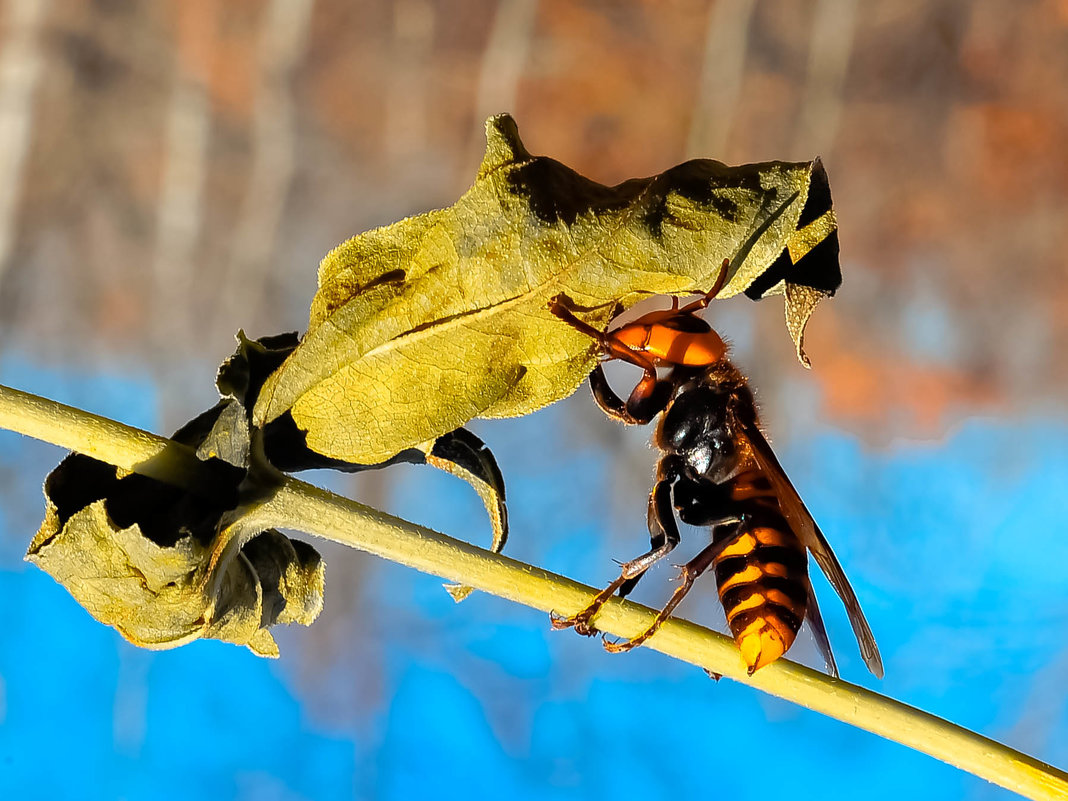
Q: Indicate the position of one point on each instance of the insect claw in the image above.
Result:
(580, 623)
(622, 646)
(560, 622)
(558, 301)
(683, 574)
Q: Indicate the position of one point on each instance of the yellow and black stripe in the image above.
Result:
(762, 574)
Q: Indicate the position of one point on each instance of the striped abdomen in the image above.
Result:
(762, 575)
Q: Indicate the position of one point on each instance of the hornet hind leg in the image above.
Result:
(664, 536)
(691, 571)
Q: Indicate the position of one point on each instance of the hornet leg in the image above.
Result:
(690, 572)
(664, 536)
(647, 400)
(710, 295)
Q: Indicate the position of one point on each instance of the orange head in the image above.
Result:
(680, 340)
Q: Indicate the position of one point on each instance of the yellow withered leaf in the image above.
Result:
(136, 554)
(422, 325)
(159, 562)
(156, 596)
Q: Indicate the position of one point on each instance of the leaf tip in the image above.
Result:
(459, 592)
(801, 301)
(503, 145)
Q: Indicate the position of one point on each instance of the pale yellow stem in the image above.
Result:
(107, 440)
(300, 506)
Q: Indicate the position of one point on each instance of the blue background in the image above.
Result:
(956, 550)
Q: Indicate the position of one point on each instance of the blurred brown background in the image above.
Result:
(172, 171)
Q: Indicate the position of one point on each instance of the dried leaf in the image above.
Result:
(136, 554)
(425, 324)
(801, 301)
(153, 594)
(143, 556)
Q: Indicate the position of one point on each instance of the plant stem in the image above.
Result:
(104, 439)
(301, 506)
